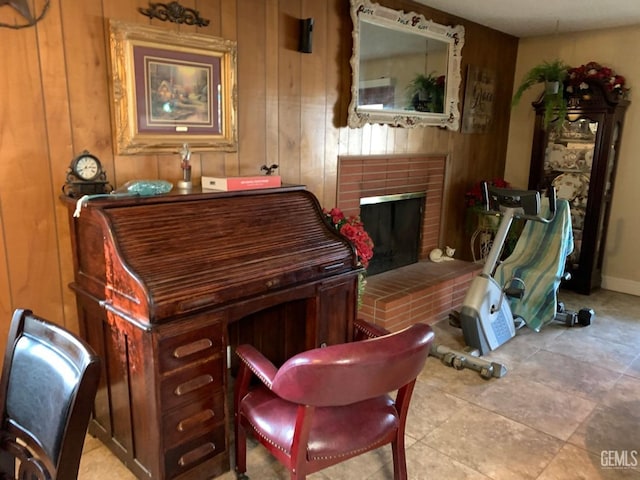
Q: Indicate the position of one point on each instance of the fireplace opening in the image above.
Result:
(394, 223)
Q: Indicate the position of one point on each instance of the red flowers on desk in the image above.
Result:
(353, 229)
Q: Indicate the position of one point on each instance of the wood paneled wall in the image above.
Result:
(292, 111)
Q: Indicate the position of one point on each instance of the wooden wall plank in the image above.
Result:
(337, 80)
(7, 175)
(313, 99)
(272, 138)
(229, 15)
(6, 82)
(251, 82)
(86, 66)
(289, 88)
(210, 10)
(6, 305)
(60, 145)
(28, 212)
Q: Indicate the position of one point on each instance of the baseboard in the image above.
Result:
(621, 285)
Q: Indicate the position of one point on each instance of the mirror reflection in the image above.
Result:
(401, 70)
(406, 69)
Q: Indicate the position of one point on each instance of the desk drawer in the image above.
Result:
(191, 384)
(194, 419)
(178, 460)
(189, 347)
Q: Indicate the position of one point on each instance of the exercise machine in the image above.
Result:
(498, 301)
(486, 317)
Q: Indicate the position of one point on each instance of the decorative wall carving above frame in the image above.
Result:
(171, 88)
(406, 69)
(174, 12)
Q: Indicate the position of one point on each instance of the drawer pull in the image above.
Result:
(191, 348)
(196, 454)
(191, 385)
(195, 420)
(334, 266)
(273, 283)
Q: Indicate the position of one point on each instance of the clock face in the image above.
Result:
(87, 167)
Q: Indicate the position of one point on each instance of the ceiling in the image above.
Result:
(542, 17)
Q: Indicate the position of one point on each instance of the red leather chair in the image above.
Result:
(48, 385)
(330, 404)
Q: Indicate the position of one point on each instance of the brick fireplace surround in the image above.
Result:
(424, 291)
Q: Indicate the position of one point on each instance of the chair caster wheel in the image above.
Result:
(585, 316)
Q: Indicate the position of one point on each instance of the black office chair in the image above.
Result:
(48, 386)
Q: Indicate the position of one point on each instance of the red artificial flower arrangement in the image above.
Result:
(353, 229)
(612, 82)
(473, 197)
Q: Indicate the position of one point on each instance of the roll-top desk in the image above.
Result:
(165, 285)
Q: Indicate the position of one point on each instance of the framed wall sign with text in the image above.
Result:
(479, 93)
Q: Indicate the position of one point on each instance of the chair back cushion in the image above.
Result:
(41, 388)
(351, 372)
(49, 382)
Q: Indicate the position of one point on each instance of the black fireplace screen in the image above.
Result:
(394, 223)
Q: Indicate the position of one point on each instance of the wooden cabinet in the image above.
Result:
(579, 158)
(167, 286)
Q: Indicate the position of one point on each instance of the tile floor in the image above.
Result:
(568, 407)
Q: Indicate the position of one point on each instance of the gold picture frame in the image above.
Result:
(171, 88)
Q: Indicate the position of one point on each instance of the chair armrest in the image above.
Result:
(365, 330)
(255, 361)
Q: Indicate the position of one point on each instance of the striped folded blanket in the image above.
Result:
(539, 259)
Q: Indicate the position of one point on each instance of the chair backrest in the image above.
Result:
(48, 386)
(347, 373)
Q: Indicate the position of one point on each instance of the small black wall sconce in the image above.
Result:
(306, 35)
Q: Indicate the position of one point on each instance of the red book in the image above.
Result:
(229, 184)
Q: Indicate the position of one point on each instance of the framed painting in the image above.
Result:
(171, 88)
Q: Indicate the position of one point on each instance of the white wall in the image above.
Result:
(617, 49)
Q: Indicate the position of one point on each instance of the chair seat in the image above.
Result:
(336, 432)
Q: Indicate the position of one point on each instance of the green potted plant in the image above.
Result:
(425, 93)
(552, 74)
